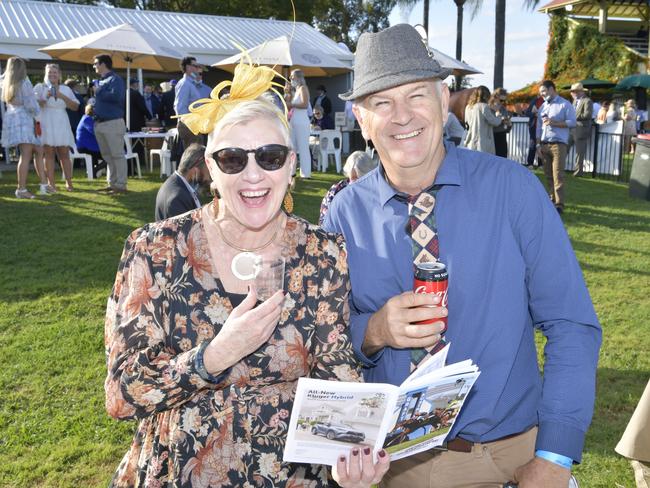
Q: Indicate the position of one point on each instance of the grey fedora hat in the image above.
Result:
(390, 58)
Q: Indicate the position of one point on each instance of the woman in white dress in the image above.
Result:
(18, 126)
(57, 138)
(297, 100)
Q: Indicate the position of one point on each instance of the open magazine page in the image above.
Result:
(425, 412)
(330, 417)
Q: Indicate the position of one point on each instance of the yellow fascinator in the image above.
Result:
(248, 83)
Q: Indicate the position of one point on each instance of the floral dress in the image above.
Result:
(197, 430)
(329, 196)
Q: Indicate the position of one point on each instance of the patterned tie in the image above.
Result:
(424, 241)
(422, 225)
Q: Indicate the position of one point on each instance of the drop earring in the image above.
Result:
(288, 201)
(215, 203)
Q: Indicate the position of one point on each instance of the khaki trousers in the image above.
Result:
(581, 152)
(489, 465)
(110, 138)
(553, 158)
(641, 474)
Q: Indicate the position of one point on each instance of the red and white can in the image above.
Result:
(432, 278)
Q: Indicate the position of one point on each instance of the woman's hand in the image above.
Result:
(360, 471)
(245, 330)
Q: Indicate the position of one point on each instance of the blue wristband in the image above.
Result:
(565, 462)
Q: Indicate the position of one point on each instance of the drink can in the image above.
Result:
(432, 278)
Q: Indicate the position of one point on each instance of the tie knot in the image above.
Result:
(423, 201)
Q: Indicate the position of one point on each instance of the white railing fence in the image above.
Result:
(604, 150)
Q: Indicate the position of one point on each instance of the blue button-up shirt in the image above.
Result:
(204, 90)
(559, 110)
(110, 97)
(187, 92)
(511, 270)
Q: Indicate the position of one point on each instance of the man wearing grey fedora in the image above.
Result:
(512, 272)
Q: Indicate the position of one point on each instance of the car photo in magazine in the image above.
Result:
(329, 417)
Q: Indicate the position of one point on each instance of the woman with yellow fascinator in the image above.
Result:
(216, 313)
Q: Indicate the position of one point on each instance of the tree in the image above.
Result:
(460, 6)
(499, 41)
(345, 20)
(408, 5)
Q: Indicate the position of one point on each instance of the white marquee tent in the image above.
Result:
(27, 25)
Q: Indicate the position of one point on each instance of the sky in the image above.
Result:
(525, 47)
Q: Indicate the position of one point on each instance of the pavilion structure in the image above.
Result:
(627, 20)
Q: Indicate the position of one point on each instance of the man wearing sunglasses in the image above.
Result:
(187, 91)
(511, 272)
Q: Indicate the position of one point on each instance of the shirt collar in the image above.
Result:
(187, 184)
(448, 174)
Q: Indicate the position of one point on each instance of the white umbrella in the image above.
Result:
(457, 67)
(283, 51)
(129, 47)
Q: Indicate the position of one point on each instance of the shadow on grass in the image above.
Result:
(46, 235)
(617, 393)
(619, 220)
(608, 249)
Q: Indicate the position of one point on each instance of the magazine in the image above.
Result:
(329, 417)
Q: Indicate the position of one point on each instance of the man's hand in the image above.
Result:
(394, 323)
(540, 473)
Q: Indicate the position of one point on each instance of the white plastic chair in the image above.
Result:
(75, 154)
(130, 154)
(165, 155)
(330, 143)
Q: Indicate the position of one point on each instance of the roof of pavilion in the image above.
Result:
(626, 9)
(26, 25)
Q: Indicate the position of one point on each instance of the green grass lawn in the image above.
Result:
(59, 256)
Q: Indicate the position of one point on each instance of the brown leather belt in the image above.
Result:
(462, 445)
(459, 445)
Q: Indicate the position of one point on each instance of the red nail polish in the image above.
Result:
(382, 453)
(366, 450)
(355, 452)
(342, 459)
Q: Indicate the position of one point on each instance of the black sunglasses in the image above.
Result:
(233, 160)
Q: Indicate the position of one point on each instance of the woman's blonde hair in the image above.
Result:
(481, 94)
(249, 111)
(14, 75)
(300, 76)
(48, 67)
